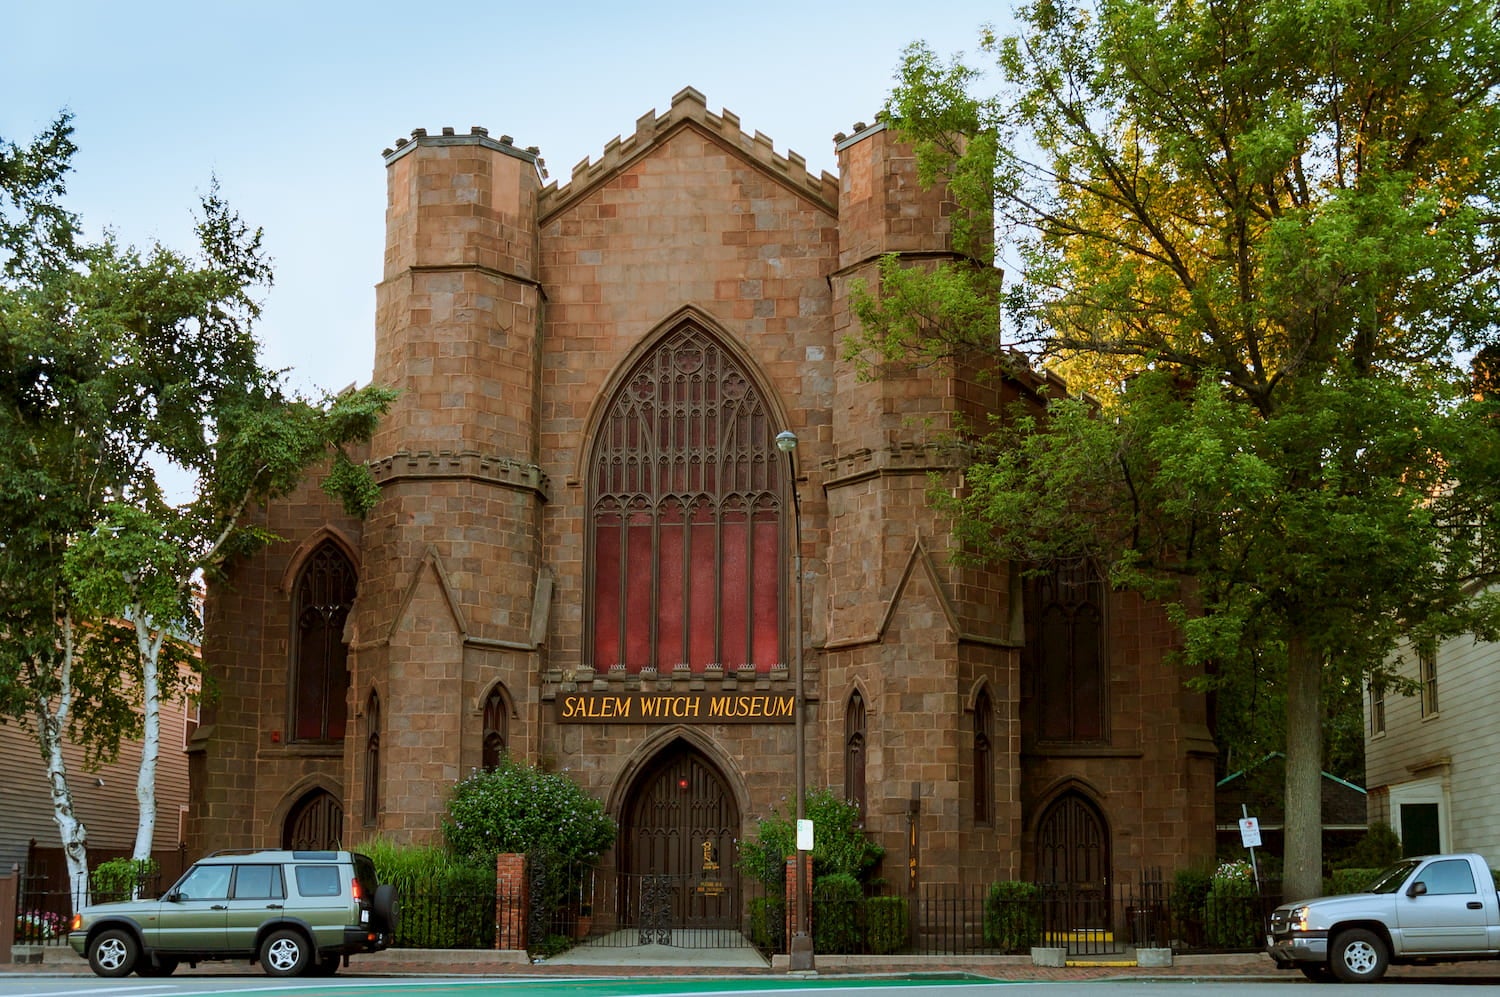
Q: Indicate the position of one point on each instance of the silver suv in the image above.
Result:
(292, 911)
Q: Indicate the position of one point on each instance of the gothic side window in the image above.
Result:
(984, 763)
(372, 759)
(854, 751)
(320, 674)
(496, 728)
(686, 500)
(1069, 654)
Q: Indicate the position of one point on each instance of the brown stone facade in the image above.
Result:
(513, 316)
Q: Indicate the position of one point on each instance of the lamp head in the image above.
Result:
(786, 441)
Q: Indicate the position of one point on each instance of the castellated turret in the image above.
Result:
(451, 575)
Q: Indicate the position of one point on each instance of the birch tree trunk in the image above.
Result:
(150, 645)
(1303, 873)
(52, 725)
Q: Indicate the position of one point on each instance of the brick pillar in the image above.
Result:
(511, 901)
(791, 896)
(10, 888)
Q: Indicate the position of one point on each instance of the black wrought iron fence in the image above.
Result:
(42, 914)
(600, 906)
(438, 915)
(1012, 918)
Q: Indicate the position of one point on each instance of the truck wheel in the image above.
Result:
(1359, 956)
(113, 952)
(1318, 972)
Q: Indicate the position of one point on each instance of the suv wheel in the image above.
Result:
(162, 965)
(113, 952)
(328, 965)
(285, 953)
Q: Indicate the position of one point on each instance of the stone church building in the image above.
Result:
(584, 552)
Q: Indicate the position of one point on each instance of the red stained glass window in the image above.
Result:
(686, 503)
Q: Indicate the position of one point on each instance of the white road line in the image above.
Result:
(114, 990)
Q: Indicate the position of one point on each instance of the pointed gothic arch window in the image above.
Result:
(372, 759)
(686, 500)
(984, 762)
(496, 727)
(320, 674)
(1069, 654)
(854, 751)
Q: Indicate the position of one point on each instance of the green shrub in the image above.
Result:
(1380, 847)
(1190, 891)
(1013, 916)
(1232, 911)
(837, 902)
(550, 946)
(840, 845)
(768, 923)
(122, 878)
(765, 857)
(885, 924)
(447, 902)
(1342, 881)
(520, 808)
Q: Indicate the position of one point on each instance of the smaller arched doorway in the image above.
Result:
(1072, 860)
(315, 822)
(678, 842)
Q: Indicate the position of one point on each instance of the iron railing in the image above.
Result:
(584, 905)
(602, 907)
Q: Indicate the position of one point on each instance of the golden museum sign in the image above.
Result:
(675, 707)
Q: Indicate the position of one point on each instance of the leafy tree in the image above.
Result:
(117, 366)
(1260, 234)
(516, 807)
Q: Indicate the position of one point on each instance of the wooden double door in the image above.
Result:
(1072, 862)
(679, 840)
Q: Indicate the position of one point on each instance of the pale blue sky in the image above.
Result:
(290, 105)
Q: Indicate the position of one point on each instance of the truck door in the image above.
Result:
(1449, 916)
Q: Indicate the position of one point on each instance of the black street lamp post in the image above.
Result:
(801, 947)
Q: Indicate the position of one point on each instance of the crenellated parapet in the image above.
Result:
(471, 464)
(689, 107)
(900, 458)
(476, 136)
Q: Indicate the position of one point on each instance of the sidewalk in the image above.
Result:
(659, 960)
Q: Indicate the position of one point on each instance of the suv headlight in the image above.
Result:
(1298, 919)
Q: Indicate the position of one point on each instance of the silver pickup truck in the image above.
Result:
(1434, 908)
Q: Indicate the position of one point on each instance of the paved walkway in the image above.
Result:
(666, 960)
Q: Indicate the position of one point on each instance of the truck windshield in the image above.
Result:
(1391, 879)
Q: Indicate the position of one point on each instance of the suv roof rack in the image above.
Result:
(234, 851)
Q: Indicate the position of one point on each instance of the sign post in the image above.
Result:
(1250, 837)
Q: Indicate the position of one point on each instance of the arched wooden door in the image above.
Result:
(1072, 860)
(316, 821)
(680, 832)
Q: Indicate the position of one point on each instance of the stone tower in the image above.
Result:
(451, 592)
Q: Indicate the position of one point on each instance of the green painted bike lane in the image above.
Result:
(614, 987)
